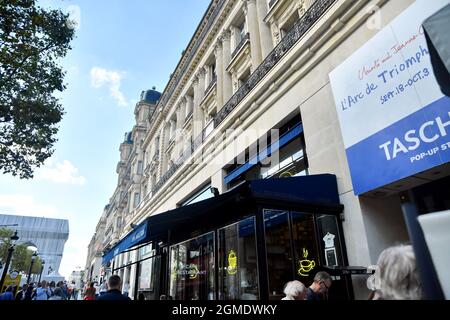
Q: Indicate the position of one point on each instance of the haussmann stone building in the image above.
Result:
(286, 142)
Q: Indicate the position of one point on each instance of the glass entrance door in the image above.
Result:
(192, 269)
(238, 268)
(298, 245)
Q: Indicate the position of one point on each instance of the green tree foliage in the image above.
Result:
(32, 41)
(5, 241)
(21, 258)
(36, 266)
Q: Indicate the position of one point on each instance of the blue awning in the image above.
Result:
(134, 238)
(313, 193)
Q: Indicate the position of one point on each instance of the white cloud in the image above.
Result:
(61, 172)
(75, 253)
(100, 77)
(25, 205)
(74, 12)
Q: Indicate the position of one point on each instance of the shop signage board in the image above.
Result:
(394, 119)
(12, 279)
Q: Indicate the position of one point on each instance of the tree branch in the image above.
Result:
(9, 74)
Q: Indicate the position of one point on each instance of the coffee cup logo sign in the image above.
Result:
(232, 263)
(286, 174)
(305, 265)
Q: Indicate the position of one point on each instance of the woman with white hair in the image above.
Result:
(398, 277)
(294, 290)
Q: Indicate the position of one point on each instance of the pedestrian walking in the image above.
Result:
(89, 293)
(318, 290)
(114, 284)
(398, 275)
(103, 287)
(21, 293)
(41, 291)
(8, 294)
(29, 293)
(74, 291)
(57, 295)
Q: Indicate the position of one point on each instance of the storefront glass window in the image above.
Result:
(305, 247)
(331, 254)
(330, 245)
(292, 249)
(192, 269)
(279, 251)
(203, 194)
(145, 251)
(149, 275)
(238, 272)
(291, 162)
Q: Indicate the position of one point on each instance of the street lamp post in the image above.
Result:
(33, 257)
(42, 269)
(8, 259)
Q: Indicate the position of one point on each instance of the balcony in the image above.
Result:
(311, 16)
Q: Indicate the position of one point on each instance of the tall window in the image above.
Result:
(238, 270)
(140, 166)
(192, 269)
(149, 273)
(292, 249)
(137, 199)
(242, 31)
(203, 194)
(279, 251)
(156, 147)
(291, 162)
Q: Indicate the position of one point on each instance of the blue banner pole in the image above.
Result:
(430, 283)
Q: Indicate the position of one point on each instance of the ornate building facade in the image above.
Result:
(253, 82)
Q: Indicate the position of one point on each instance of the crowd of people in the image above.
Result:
(41, 291)
(108, 290)
(396, 279)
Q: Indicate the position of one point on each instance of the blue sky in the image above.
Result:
(121, 48)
